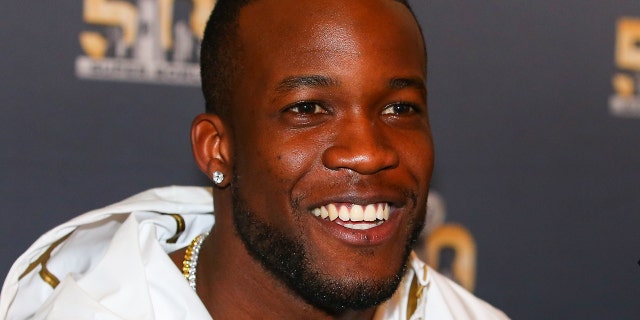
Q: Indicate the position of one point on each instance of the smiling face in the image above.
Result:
(332, 151)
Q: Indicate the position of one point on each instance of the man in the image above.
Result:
(318, 142)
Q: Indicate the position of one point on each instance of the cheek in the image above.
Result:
(418, 155)
(273, 163)
(297, 161)
(297, 158)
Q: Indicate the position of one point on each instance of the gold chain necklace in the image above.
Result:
(190, 262)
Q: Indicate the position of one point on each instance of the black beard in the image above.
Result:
(284, 256)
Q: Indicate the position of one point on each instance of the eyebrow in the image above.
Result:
(315, 81)
(310, 81)
(401, 83)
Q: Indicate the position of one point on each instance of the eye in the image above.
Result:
(399, 108)
(307, 107)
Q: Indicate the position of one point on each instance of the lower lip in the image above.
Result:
(369, 237)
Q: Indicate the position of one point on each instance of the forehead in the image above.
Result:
(273, 30)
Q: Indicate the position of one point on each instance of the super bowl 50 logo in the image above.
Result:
(142, 41)
(625, 102)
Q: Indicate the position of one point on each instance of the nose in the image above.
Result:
(360, 146)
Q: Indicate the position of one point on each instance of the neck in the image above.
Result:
(233, 285)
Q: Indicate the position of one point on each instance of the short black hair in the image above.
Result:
(219, 52)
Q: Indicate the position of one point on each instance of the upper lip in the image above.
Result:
(394, 199)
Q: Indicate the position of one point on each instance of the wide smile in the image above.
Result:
(354, 216)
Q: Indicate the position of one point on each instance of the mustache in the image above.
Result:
(352, 184)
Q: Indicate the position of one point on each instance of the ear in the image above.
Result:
(210, 144)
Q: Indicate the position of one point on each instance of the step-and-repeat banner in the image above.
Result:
(535, 108)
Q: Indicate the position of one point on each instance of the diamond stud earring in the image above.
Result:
(218, 177)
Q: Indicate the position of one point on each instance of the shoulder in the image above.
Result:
(165, 219)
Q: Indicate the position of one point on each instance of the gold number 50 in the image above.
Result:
(124, 15)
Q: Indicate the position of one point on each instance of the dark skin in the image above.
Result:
(330, 109)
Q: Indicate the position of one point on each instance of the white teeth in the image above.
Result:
(370, 213)
(386, 212)
(324, 213)
(379, 214)
(333, 212)
(355, 213)
(361, 226)
(343, 213)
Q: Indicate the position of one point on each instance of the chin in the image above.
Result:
(327, 273)
(334, 292)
